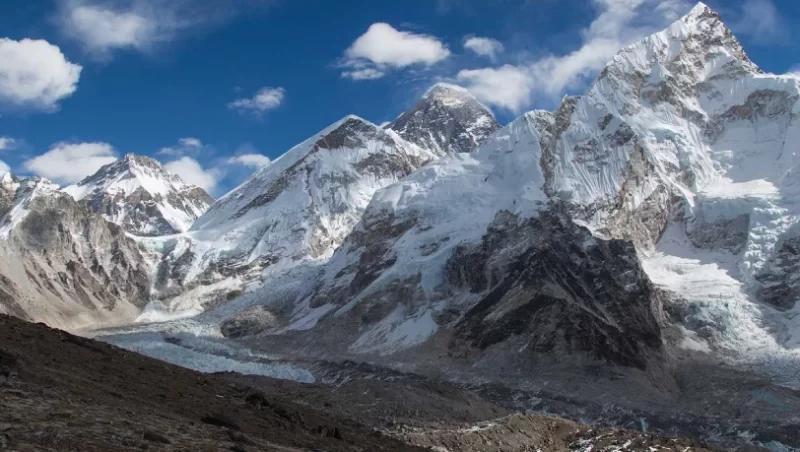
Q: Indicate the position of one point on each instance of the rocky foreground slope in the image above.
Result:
(60, 392)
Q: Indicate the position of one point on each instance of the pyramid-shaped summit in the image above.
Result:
(137, 193)
(447, 120)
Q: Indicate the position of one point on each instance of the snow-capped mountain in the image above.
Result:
(63, 264)
(448, 119)
(682, 146)
(297, 209)
(137, 193)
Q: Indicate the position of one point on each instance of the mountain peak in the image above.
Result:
(696, 47)
(446, 88)
(447, 119)
(136, 192)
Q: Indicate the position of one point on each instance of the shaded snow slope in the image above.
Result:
(137, 193)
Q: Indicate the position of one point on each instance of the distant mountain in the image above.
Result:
(448, 119)
(137, 193)
(296, 210)
(62, 264)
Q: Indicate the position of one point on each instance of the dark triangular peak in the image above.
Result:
(448, 119)
(349, 134)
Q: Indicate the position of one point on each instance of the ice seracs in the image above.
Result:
(137, 193)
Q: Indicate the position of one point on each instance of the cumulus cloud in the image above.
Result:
(251, 160)
(104, 26)
(487, 47)
(264, 100)
(7, 143)
(67, 163)
(192, 172)
(34, 74)
(618, 23)
(382, 48)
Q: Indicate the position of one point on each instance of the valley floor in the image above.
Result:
(62, 392)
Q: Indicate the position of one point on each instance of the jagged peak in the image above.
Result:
(695, 47)
(131, 159)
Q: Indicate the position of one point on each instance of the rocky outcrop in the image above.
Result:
(66, 266)
(551, 286)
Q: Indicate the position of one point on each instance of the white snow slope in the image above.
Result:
(294, 211)
(685, 111)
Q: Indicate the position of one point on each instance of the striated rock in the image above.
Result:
(563, 292)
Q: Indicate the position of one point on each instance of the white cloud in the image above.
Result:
(487, 47)
(188, 145)
(7, 143)
(34, 74)
(4, 168)
(508, 86)
(364, 74)
(104, 26)
(68, 163)
(619, 23)
(383, 47)
(193, 173)
(191, 142)
(252, 160)
(264, 100)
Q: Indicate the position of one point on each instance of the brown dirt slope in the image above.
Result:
(60, 392)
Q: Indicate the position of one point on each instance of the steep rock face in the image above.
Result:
(137, 193)
(681, 132)
(447, 120)
(64, 265)
(551, 286)
(295, 211)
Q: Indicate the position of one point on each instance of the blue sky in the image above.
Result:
(211, 88)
